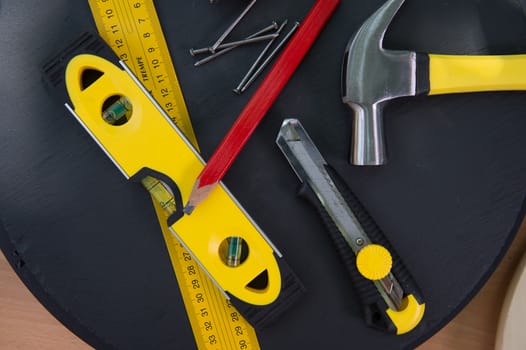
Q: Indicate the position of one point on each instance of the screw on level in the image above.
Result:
(203, 50)
(359, 241)
(270, 57)
(232, 26)
(222, 52)
(247, 76)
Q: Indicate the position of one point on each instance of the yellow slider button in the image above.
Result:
(374, 262)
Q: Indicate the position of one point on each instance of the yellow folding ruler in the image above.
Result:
(132, 29)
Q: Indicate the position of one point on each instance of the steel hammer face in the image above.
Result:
(372, 75)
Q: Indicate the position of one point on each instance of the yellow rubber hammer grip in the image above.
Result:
(455, 74)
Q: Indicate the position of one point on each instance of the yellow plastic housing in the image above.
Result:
(149, 139)
(450, 74)
(409, 316)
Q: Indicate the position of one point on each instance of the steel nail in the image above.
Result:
(222, 52)
(232, 26)
(203, 50)
(271, 56)
(237, 90)
(256, 39)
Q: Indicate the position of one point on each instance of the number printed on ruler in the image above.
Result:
(208, 304)
(138, 41)
(147, 64)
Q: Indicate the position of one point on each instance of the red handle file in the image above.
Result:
(261, 101)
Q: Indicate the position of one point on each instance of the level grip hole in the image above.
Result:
(233, 251)
(89, 76)
(260, 282)
(117, 110)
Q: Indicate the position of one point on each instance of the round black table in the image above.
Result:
(86, 242)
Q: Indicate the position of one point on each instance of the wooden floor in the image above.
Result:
(25, 324)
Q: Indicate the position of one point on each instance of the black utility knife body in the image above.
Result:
(391, 300)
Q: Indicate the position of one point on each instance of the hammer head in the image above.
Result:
(371, 76)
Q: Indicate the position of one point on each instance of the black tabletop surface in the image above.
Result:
(86, 242)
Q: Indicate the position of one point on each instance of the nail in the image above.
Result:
(232, 26)
(271, 56)
(273, 26)
(237, 90)
(256, 39)
(222, 52)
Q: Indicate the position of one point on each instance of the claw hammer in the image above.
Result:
(372, 75)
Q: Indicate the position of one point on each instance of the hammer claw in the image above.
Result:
(377, 24)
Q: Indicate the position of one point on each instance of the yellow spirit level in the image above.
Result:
(148, 144)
